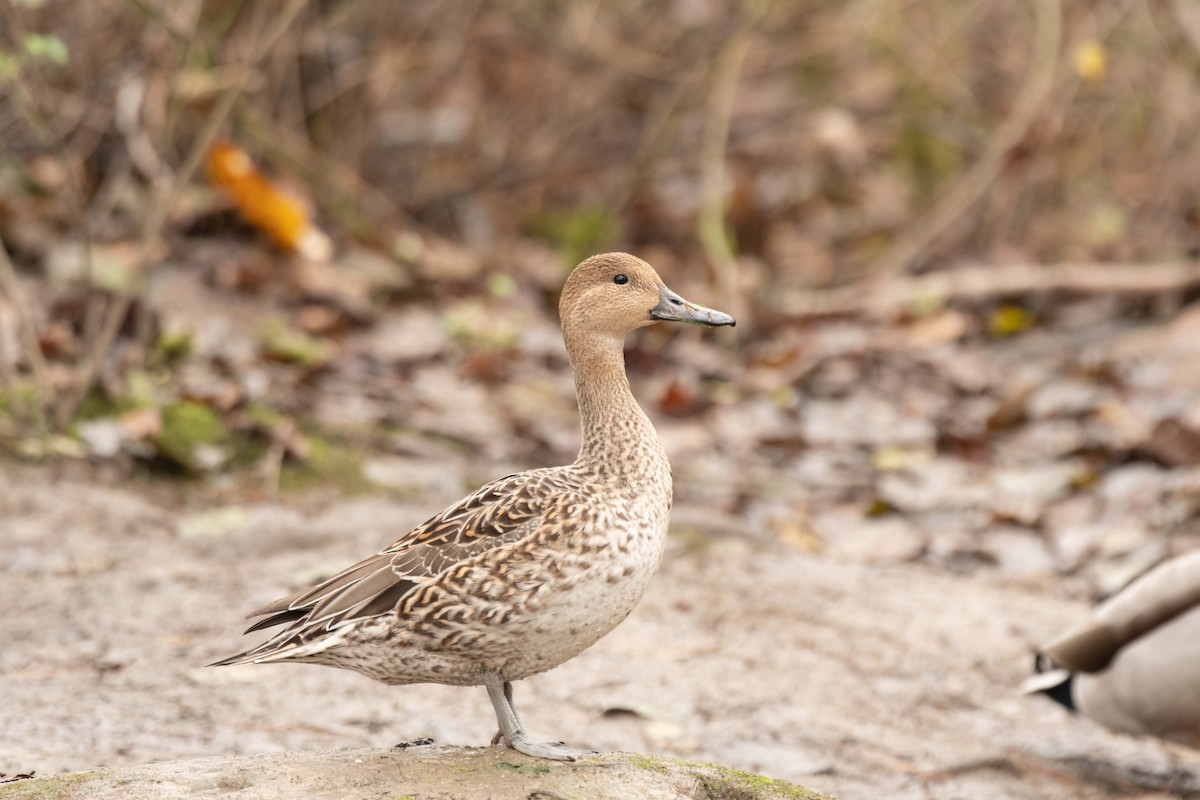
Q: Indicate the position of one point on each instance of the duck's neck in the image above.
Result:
(617, 434)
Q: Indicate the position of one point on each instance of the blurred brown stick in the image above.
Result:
(160, 209)
(1180, 38)
(892, 293)
(710, 223)
(343, 193)
(10, 284)
(967, 190)
(160, 19)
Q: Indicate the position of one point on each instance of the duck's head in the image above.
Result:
(615, 293)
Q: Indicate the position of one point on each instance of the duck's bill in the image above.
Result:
(673, 308)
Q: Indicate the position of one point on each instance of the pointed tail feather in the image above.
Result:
(240, 658)
(281, 649)
(279, 618)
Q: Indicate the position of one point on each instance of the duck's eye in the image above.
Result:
(621, 280)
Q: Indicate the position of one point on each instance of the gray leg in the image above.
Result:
(511, 729)
(508, 696)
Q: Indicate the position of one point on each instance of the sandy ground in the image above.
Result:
(855, 679)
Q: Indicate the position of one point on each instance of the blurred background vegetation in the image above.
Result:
(781, 159)
(310, 248)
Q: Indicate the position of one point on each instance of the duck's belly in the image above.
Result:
(531, 620)
(574, 616)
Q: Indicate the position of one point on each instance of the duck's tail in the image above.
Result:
(283, 647)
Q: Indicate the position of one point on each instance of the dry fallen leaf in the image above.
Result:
(679, 399)
(1174, 443)
(941, 328)
(1090, 61)
(141, 423)
(1009, 320)
(265, 205)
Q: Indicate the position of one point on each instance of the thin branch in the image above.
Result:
(10, 284)
(890, 293)
(710, 223)
(152, 14)
(662, 122)
(1182, 40)
(967, 190)
(8, 375)
(194, 40)
(617, 52)
(342, 191)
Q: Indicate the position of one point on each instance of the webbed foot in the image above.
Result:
(512, 732)
(555, 751)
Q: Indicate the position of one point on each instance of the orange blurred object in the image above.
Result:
(264, 205)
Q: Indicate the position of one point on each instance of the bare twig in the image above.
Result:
(895, 292)
(343, 192)
(161, 207)
(967, 190)
(8, 380)
(710, 222)
(192, 41)
(617, 52)
(662, 123)
(10, 284)
(272, 467)
(155, 16)
(1182, 40)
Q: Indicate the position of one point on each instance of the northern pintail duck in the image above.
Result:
(532, 569)
(1134, 664)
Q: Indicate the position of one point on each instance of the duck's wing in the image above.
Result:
(500, 513)
(1170, 589)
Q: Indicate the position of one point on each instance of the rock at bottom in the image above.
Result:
(415, 773)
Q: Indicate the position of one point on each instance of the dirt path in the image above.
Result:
(849, 678)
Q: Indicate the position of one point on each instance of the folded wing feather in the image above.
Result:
(502, 512)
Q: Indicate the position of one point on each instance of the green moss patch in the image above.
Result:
(715, 782)
(524, 769)
(329, 463)
(188, 427)
(575, 234)
(281, 343)
(52, 786)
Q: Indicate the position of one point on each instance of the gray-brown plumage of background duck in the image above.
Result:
(1134, 664)
(531, 569)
